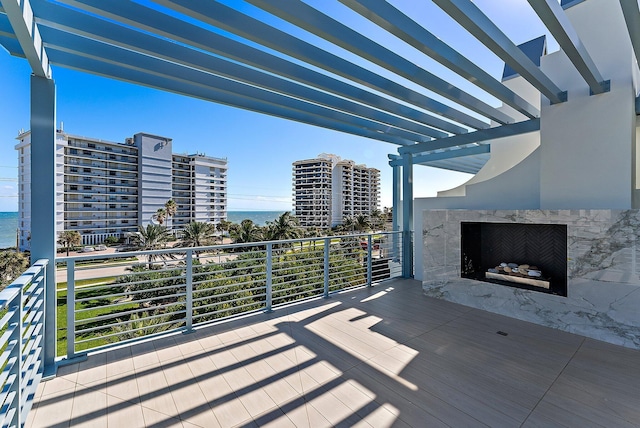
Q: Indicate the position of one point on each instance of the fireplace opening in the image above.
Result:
(535, 255)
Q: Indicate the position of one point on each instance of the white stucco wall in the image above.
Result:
(586, 157)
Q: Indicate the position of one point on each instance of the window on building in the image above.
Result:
(112, 173)
(86, 205)
(73, 224)
(73, 169)
(91, 146)
(88, 170)
(86, 152)
(112, 206)
(87, 188)
(86, 179)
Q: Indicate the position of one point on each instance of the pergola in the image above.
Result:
(171, 45)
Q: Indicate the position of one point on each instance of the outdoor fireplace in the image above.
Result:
(529, 256)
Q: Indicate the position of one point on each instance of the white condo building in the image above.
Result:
(107, 189)
(327, 189)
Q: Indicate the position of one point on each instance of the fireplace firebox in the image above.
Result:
(487, 247)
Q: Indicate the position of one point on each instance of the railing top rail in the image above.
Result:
(182, 250)
(12, 290)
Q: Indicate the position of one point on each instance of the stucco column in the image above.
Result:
(407, 215)
(43, 197)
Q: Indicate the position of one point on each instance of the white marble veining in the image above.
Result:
(603, 282)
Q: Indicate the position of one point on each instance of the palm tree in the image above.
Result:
(377, 219)
(171, 208)
(246, 231)
(197, 234)
(69, 238)
(362, 223)
(153, 237)
(160, 216)
(223, 226)
(348, 224)
(286, 226)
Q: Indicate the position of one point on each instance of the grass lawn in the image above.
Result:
(97, 308)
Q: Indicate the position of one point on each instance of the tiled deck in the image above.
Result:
(386, 356)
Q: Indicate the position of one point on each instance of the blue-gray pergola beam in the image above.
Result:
(316, 22)
(110, 61)
(397, 23)
(109, 32)
(632, 19)
(448, 154)
(555, 19)
(229, 19)
(467, 14)
(524, 127)
(153, 21)
(21, 17)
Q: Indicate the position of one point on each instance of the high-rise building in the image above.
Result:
(327, 189)
(107, 189)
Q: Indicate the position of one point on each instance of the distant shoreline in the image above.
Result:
(9, 222)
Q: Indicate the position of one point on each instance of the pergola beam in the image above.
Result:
(88, 26)
(228, 19)
(150, 20)
(482, 28)
(110, 61)
(555, 19)
(22, 21)
(632, 19)
(474, 137)
(397, 23)
(449, 154)
(316, 22)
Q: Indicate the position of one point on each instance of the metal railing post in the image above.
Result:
(269, 277)
(189, 290)
(71, 309)
(369, 262)
(327, 244)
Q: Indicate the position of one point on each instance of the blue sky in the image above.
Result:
(260, 148)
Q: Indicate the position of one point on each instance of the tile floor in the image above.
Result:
(380, 357)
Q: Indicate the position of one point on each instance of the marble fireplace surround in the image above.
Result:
(603, 282)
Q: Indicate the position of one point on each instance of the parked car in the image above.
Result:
(88, 249)
(101, 247)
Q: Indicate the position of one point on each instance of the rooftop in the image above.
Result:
(381, 356)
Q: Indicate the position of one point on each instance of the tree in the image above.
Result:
(361, 223)
(153, 237)
(69, 238)
(171, 208)
(160, 216)
(12, 265)
(197, 234)
(246, 231)
(224, 226)
(348, 224)
(286, 226)
(377, 219)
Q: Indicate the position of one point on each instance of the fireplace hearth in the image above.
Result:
(503, 253)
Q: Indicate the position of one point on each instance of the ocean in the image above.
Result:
(258, 217)
(9, 223)
(8, 226)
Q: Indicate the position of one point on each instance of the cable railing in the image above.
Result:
(125, 296)
(21, 341)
